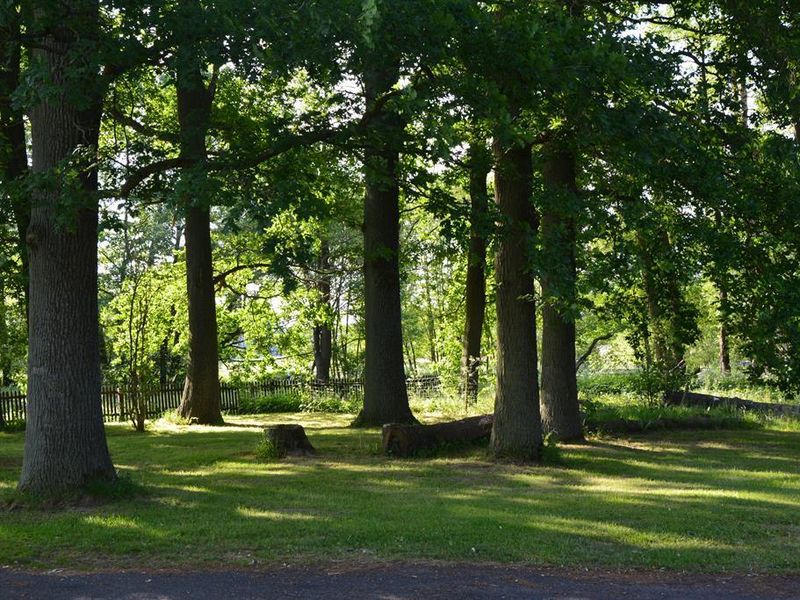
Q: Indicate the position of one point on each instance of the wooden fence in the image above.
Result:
(116, 400)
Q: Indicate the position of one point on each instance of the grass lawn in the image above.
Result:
(700, 501)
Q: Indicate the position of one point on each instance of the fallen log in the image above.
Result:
(289, 440)
(408, 440)
(663, 423)
(709, 401)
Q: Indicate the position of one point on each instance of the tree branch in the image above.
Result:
(128, 121)
(585, 356)
(221, 277)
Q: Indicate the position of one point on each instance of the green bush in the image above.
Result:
(14, 426)
(609, 383)
(273, 403)
(299, 401)
(332, 403)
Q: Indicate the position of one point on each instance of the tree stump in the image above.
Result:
(289, 440)
(407, 440)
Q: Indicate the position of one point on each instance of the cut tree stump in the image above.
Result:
(289, 440)
(408, 440)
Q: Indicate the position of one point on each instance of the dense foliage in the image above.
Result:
(654, 147)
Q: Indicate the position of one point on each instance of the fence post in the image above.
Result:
(121, 404)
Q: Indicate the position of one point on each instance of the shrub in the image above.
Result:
(174, 418)
(273, 403)
(299, 401)
(609, 383)
(332, 403)
(14, 426)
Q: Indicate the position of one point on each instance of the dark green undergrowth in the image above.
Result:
(13, 426)
(609, 410)
(297, 401)
(642, 385)
(717, 501)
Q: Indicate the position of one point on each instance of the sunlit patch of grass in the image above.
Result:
(702, 501)
(278, 515)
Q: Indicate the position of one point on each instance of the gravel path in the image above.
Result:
(393, 581)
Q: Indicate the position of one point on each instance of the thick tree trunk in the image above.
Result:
(479, 167)
(385, 394)
(323, 337)
(517, 431)
(201, 395)
(65, 443)
(560, 409)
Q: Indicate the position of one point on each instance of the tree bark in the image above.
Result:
(201, 394)
(385, 394)
(479, 167)
(65, 443)
(323, 338)
(517, 431)
(559, 402)
(200, 402)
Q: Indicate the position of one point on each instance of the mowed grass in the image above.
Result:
(699, 501)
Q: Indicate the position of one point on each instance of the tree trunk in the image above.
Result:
(13, 153)
(323, 338)
(724, 345)
(431, 318)
(560, 409)
(65, 443)
(385, 394)
(322, 353)
(168, 364)
(479, 166)
(664, 299)
(517, 431)
(5, 349)
(201, 394)
(200, 402)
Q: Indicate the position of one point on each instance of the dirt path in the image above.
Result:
(394, 581)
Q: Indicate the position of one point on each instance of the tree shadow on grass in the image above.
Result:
(706, 501)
